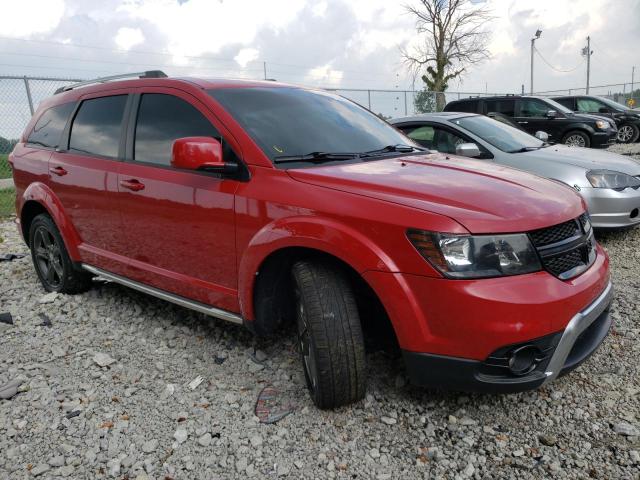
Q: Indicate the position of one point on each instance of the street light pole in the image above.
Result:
(533, 41)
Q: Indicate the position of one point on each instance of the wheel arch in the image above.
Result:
(37, 199)
(264, 270)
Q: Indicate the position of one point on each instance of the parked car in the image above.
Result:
(608, 182)
(262, 204)
(535, 114)
(626, 120)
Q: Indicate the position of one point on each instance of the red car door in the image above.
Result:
(83, 174)
(179, 224)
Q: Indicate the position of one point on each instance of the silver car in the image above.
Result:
(609, 183)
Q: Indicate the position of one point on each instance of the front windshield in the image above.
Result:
(558, 106)
(502, 136)
(288, 121)
(614, 105)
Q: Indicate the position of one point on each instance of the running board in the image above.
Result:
(169, 297)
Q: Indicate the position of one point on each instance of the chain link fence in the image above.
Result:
(623, 93)
(19, 97)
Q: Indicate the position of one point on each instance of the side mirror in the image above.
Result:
(467, 150)
(603, 110)
(200, 153)
(552, 114)
(544, 136)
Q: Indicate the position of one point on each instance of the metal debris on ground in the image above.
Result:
(7, 257)
(46, 321)
(270, 407)
(10, 389)
(7, 318)
(72, 414)
(196, 382)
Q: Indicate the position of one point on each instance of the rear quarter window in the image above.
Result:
(467, 106)
(49, 127)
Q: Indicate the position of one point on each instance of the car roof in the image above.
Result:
(499, 97)
(435, 116)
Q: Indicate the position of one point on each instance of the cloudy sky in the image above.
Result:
(329, 43)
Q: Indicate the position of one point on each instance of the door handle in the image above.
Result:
(58, 171)
(132, 184)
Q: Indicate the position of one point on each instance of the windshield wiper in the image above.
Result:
(318, 157)
(399, 148)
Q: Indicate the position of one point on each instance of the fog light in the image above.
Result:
(634, 213)
(523, 360)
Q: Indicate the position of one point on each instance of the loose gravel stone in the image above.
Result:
(128, 414)
(103, 360)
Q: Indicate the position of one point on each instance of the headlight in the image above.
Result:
(476, 256)
(602, 125)
(610, 179)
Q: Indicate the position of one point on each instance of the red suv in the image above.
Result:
(262, 204)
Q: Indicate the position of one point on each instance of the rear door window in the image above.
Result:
(97, 126)
(505, 107)
(49, 127)
(162, 119)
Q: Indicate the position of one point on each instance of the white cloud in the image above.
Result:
(325, 76)
(245, 56)
(23, 18)
(199, 26)
(129, 37)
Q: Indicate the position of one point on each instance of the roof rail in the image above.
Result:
(147, 74)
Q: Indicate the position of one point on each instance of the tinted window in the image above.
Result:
(422, 135)
(566, 102)
(445, 141)
(505, 107)
(49, 127)
(96, 128)
(531, 107)
(292, 121)
(589, 105)
(163, 119)
(468, 106)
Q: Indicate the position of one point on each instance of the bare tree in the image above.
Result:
(453, 38)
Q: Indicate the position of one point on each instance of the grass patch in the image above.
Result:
(7, 202)
(5, 170)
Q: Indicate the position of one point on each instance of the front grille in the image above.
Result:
(566, 249)
(557, 233)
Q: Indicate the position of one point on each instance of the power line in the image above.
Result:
(165, 54)
(554, 68)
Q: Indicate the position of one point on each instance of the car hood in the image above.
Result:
(484, 198)
(587, 158)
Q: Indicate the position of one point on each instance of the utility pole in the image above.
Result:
(264, 66)
(587, 52)
(533, 41)
(633, 71)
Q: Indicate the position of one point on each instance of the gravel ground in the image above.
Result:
(136, 417)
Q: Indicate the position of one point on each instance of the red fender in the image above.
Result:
(326, 235)
(42, 194)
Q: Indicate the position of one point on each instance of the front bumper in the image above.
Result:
(560, 353)
(603, 139)
(611, 209)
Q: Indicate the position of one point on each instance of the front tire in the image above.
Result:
(628, 133)
(329, 334)
(51, 259)
(576, 138)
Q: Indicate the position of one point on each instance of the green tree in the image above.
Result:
(7, 145)
(424, 101)
(452, 37)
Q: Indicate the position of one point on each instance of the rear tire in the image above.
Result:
(628, 133)
(51, 259)
(576, 138)
(329, 334)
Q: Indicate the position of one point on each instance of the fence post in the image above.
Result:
(405, 104)
(26, 86)
(369, 98)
